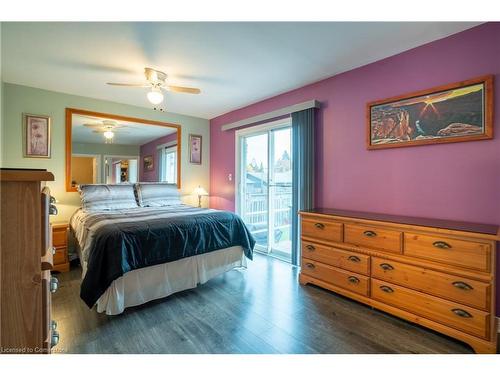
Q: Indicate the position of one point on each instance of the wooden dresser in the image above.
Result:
(437, 273)
(26, 258)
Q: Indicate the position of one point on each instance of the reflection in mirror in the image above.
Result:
(121, 150)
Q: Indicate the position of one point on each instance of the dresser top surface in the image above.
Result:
(487, 229)
(10, 174)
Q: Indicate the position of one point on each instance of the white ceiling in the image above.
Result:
(132, 133)
(234, 64)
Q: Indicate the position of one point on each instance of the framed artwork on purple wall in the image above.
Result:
(456, 112)
(195, 148)
(36, 140)
(148, 163)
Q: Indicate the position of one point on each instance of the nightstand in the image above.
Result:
(60, 243)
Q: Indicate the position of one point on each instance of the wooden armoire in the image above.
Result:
(25, 262)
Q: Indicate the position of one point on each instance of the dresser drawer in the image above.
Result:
(322, 229)
(60, 256)
(46, 307)
(59, 236)
(468, 254)
(459, 289)
(373, 237)
(46, 227)
(347, 260)
(463, 318)
(348, 280)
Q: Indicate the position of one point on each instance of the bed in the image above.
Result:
(135, 252)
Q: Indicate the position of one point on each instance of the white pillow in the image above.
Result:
(157, 194)
(103, 197)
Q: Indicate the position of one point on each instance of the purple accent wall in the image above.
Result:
(150, 149)
(456, 181)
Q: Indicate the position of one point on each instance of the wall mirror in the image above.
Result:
(111, 149)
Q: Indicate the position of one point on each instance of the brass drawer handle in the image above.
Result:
(386, 289)
(461, 285)
(461, 313)
(369, 233)
(54, 339)
(310, 265)
(354, 259)
(353, 280)
(319, 226)
(386, 267)
(441, 245)
(54, 284)
(310, 247)
(52, 209)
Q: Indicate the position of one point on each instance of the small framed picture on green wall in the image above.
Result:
(36, 136)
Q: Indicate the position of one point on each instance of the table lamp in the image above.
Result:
(199, 191)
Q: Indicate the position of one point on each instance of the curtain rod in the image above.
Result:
(272, 114)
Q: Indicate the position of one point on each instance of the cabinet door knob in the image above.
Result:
(319, 225)
(354, 259)
(310, 247)
(441, 245)
(353, 280)
(310, 265)
(462, 285)
(386, 289)
(369, 233)
(461, 313)
(386, 267)
(54, 339)
(54, 284)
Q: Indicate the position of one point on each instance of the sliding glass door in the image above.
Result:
(264, 177)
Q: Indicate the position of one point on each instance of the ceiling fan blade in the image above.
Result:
(188, 90)
(105, 126)
(129, 84)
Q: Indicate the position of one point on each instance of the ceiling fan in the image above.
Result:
(108, 128)
(156, 80)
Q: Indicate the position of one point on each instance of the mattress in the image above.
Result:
(116, 242)
(146, 284)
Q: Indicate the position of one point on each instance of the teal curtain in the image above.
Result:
(303, 170)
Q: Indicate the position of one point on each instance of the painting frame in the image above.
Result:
(195, 154)
(148, 163)
(487, 114)
(30, 122)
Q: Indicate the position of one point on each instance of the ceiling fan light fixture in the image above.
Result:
(108, 134)
(155, 96)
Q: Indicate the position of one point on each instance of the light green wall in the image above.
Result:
(22, 99)
(105, 149)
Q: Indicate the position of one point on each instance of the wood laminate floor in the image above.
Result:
(262, 309)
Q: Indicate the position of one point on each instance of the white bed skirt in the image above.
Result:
(146, 284)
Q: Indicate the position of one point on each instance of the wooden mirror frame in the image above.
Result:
(73, 111)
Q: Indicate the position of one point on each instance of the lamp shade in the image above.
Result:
(200, 191)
